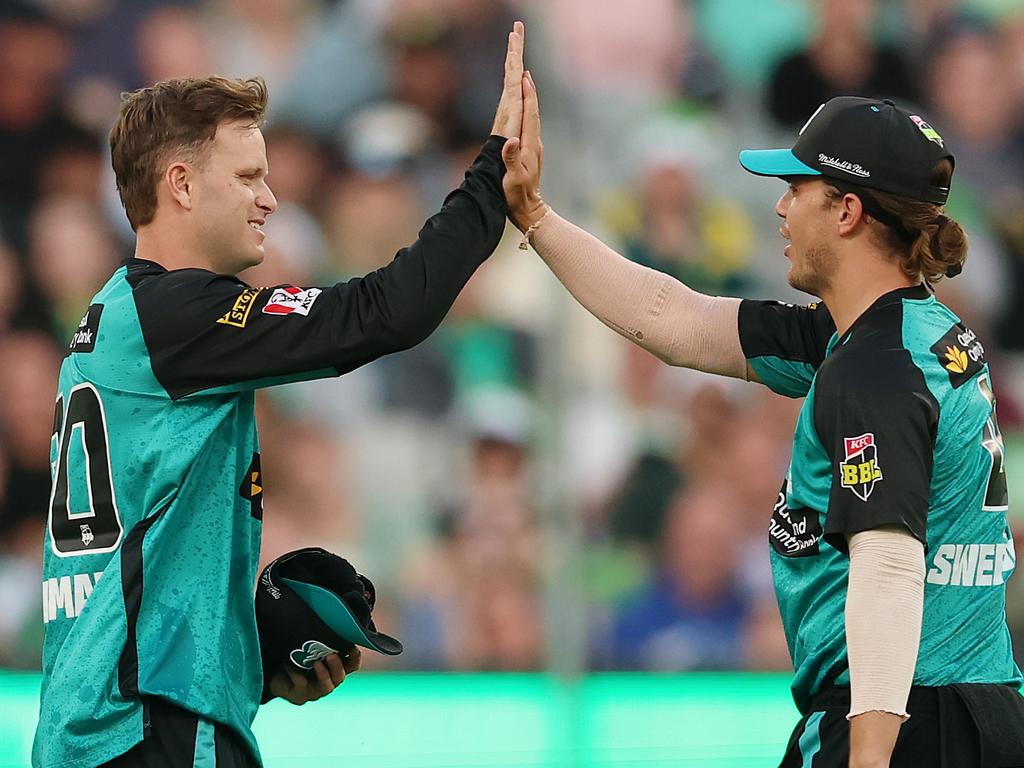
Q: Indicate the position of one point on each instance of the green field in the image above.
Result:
(458, 721)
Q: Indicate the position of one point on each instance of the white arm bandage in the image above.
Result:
(648, 307)
(884, 603)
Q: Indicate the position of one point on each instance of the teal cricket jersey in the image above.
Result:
(898, 428)
(153, 533)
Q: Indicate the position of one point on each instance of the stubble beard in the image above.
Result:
(815, 274)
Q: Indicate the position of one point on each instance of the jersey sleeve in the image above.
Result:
(210, 333)
(784, 343)
(877, 422)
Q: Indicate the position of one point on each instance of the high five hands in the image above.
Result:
(518, 119)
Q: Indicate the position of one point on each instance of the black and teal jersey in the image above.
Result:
(155, 514)
(898, 428)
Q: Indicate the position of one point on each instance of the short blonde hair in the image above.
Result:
(169, 117)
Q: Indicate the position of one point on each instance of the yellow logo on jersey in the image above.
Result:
(860, 471)
(865, 472)
(957, 360)
(238, 315)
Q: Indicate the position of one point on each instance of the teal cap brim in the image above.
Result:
(775, 162)
(335, 614)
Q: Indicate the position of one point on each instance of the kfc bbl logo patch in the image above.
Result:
(930, 133)
(860, 471)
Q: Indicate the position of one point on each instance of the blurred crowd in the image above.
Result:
(524, 467)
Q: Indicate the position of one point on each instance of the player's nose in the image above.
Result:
(266, 201)
(782, 205)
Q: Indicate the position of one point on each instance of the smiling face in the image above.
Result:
(231, 198)
(804, 209)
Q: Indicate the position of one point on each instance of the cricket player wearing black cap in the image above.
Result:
(889, 542)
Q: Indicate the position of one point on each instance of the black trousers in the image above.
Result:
(953, 726)
(177, 738)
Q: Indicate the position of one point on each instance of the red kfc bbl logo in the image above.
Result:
(860, 471)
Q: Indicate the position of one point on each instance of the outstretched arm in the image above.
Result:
(657, 312)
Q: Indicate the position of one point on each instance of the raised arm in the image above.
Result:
(661, 314)
(648, 307)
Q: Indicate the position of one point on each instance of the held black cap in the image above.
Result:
(311, 603)
(866, 142)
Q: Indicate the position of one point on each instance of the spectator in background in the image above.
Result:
(474, 597)
(26, 420)
(841, 59)
(691, 613)
(689, 232)
(34, 52)
(972, 88)
(426, 72)
(1012, 30)
(265, 36)
(71, 251)
(308, 498)
(174, 41)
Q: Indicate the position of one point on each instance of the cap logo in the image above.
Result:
(846, 166)
(310, 652)
(930, 133)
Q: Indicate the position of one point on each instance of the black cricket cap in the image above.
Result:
(311, 603)
(866, 142)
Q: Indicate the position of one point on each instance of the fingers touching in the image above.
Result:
(509, 116)
(531, 115)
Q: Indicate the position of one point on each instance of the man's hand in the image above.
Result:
(508, 120)
(872, 739)
(524, 160)
(328, 673)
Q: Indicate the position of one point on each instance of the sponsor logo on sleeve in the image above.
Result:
(310, 652)
(794, 532)
(291, 300)
(860, 471)
(238, 315)
(252, 487)
(960, 353)
(84, 338)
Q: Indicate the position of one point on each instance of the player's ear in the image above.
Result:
(178, 179)
(850, 212)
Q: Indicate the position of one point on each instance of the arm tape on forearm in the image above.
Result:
(884, 605)
(665, 317)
